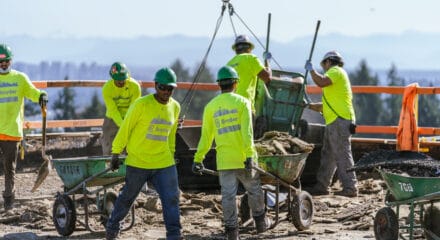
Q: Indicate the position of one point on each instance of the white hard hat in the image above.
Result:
(332, 54)
(242, 39)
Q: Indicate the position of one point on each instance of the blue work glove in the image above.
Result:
(115, 162)
(309, 66)
(267, 55)
(249, 163)
(43, 99)
(197, 168)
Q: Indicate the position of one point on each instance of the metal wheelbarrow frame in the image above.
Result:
(85, 176)
(414, 192)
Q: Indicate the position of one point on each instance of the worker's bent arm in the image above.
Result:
(320, 80)
(265, 74)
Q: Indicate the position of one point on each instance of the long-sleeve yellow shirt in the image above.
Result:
(14, 87)
(227, 118)
(149, 133)
(117, 100)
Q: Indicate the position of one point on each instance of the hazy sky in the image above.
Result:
(290, 18)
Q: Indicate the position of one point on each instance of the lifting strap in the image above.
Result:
(226, 5)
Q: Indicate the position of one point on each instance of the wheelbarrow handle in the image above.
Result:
(209, 171)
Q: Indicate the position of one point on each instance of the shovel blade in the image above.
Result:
(43, 171)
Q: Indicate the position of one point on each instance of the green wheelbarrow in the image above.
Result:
(283, 170)
(418, 193)
(83, 178)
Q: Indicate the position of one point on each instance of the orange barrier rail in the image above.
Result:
(214, 87)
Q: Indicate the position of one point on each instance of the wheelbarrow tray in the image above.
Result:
(73, 171)
(405, 187)
(286, 167)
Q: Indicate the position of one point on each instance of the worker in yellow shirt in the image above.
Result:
(227, 118)
(14, 87)
(249, 69)
(118, 93)
(338, 112)
(148, 133)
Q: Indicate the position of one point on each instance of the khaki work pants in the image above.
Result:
(109, 131)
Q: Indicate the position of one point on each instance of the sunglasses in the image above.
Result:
(4, 61)
(165, 87)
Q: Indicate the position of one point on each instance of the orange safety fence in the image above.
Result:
(214, 87)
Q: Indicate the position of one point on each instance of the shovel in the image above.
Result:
(44, 169)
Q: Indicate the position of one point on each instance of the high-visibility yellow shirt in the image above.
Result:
(247, 66)
(117, 100)
(338, 95)
(227, 118)
(148, 133)
(14, 87)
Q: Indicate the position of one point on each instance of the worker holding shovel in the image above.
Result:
(227, 118)
(338, 112)
(14, 87)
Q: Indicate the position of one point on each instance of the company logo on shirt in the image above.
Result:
(223, 119)
(159, 129)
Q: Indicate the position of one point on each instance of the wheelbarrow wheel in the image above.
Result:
(302, 210)
(386, 226)
(431, 221)
(245, 210)
(107, 207)
(64, 215)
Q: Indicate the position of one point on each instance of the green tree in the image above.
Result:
(64, 106)
(367, 106)
(429, 110)
(193, 102)
(31, 108)
(96, 109)
(393, 103)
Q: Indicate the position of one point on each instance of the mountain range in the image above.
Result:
(408, 50)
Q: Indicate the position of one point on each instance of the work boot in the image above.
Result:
(110, 235)
(317, 191)
(231, 233)
(8, 203)
(262, 223)
(347, 192)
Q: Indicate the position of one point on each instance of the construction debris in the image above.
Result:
(281, 143)
(411, 163)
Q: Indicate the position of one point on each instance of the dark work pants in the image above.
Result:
(9, 154)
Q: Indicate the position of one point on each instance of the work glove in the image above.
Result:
(197, 168)
(309, 66)
(43, 99)
(115, 162)
(248, 164)
(267, 55)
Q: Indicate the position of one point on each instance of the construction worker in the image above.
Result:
(119, 93)
(227, 118)
(339, 116)
(14, 87)
(249, 68)
(148, 134)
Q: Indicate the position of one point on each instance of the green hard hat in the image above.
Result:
(227, 73)
(5, 52)
(166, 76)
(119, 71)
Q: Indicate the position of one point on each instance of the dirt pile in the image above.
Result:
(281, 143)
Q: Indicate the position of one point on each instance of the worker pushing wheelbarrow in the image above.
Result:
(84, 177)
(227, 119)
